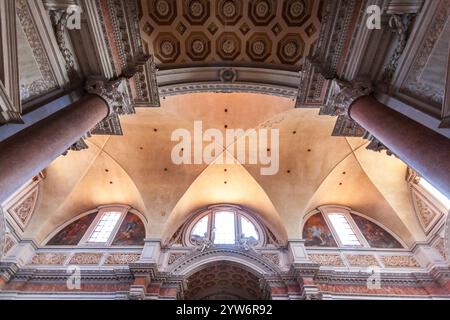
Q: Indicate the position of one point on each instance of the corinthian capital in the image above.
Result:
(344, 93)
(116, 94)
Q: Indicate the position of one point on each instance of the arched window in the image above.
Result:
(341, 227)
(225, 226)
(109, 225)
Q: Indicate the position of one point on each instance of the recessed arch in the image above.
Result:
(262, 236)
(130, 228)
(225, 280)
(249, 260)
(366, 231)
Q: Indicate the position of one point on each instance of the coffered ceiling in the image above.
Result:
(267, 33)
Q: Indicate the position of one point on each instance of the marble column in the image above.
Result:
(30, 151)
(423, 149)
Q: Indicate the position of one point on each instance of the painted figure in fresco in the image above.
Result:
(131, 232)
(72, 234)
(317, 234)
(318, 237)
(375, 235)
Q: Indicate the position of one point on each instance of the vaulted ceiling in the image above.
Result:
(271, 33)
(315, 169)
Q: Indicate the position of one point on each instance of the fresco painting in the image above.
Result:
(73, 233)
(131, 232)
(317, 234)
(376, 236)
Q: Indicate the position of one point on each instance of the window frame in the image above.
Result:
(100, 213)
(211, 212)
(346, 212)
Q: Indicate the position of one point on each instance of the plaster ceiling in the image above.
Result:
(200, 32)
(315, 169)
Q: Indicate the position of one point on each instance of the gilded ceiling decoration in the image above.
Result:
(196, 32)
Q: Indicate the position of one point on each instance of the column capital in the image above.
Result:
(344, 93)
(375, 144)
(116, 93)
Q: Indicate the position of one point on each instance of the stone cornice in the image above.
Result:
(30, 274)
(387, 279)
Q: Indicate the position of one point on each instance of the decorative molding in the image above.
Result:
(427, 213)
(336, 24)
(10, 242)
(122, 258)
(23, 209)
(412, 176)
(399, 24)
(326, 259)
(446, 106)
(252, 259)
(311, 87)
(227, 88)
(173, 257)
(346, 127)
(86, 259)
(399, 262)
(109, 126)
(273, 257)
(60, 19)
(48, 82)
(428, 210)
(116, 93)
(49, 259)
(439, 245)
(10, 104)
(237, 79)
(147, 85)
(343, 94)
(375, 144)
(412, 85)
(357, 260)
